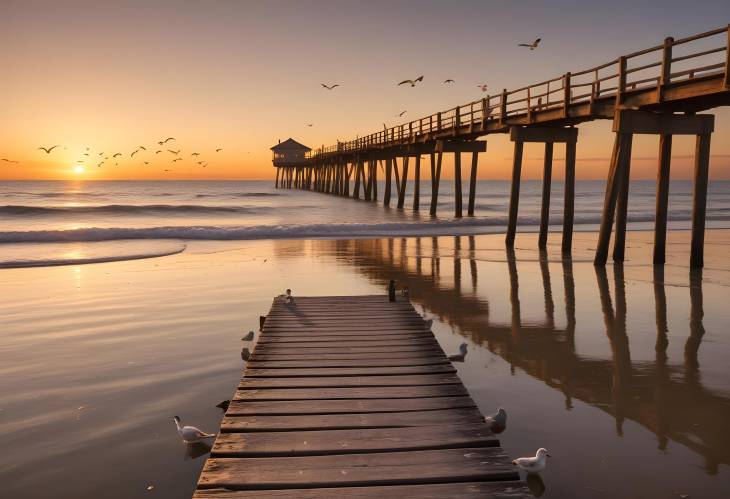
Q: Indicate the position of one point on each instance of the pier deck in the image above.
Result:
(352, 397)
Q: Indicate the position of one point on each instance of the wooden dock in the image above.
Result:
(352, 397)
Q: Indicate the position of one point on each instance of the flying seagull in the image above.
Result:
(449, 81)
(101, 153)
(48, 149)
(158, 152)
(174, 152)
(330, 87)
(218, 150)
(498, 421)
(133, 153)
(402, 113)
(411, 82)
(146, 162)
(200, 162)
(531, 46)
(191, 434)
(533, 464)
(166, 140)
(310, 124)
(99, 165)
(9, 160)
(141, 147)
(483, 87)
(177, 159)
(116, 154)
(195, 154)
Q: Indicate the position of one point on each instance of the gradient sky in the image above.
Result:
(241, 75)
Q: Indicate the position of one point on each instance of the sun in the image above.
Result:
(78, 169)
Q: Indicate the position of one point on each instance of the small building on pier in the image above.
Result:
(290, 153)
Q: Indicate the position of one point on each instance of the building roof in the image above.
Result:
(290, 144)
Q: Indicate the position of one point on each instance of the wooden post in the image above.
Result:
(662, 198)
(615, 173)
(276, 184)
(396, 173)
(547, 174)
(621, 85)
(514, 198)
(473, 183)
(388, 175)
(666, 71)
(435, 180)
(374, 180)
(403, 183)
(503, 107)
(566, 94)
(367, 182)
(619, 244)
(568, 197)
(727, 58)
(699, 199)
(356, 187)
(458, 198)
(417, 184)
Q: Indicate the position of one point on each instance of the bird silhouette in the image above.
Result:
(9, 160)
(47, 149)
(449, 81)
(142, 147)
(146, 162)
(402, 113)
(174, 152)
(531, 46)
(483, 87)
(166, 170)
(158, 152)
(177, 159)
(310, 124)
(199, 162)
(101, 153)
(133, 153)
(86, 154)
(166, 140)
(218, 150)
(330, 87)
(412, 83)
(99, 165)
(116, 154)
(195, 154)
(498, 421)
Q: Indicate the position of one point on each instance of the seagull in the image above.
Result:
(412, 83)
(459, 357)
(200, 162)
(146, 162)
(483, 87)
(191, 434)
(248, 337)
(86, 154)
(135, 152)
(101, 153)
(218, 150)
(166, 140)
(330, 87)
(533, 464)
(177, 159)
(531, 46)
(245, 354)
(9, 160)
(142, 147)
(117, 154)
(498, 421)
(158, 152)
(195, 154)
(166, 170)
(48, 149)
(174, 152)
(310, 124)
(449, 81)
(289, 297)
(402, 113)
(99, 165)
(224, 404)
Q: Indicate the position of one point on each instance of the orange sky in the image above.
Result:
(242, 75)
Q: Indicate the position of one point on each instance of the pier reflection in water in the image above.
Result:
(577, 342)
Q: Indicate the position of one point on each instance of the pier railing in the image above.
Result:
(671, 62)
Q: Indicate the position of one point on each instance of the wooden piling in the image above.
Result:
(403, 184)
(388, 175)
(435, 180)
(458, 198)
(547, 174)
(417, 184)
(699, 199)
(473, 183)
(568, 197)
(615, 173)
(662, 198)
(514, 198)
(619, 244)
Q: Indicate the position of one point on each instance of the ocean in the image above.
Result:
(96, 221)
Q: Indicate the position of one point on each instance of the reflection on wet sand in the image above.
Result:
(667, 399)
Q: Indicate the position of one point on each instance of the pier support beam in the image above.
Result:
(403, 183)
(417, 184)
(547, 136)
(626, 123)
(458, 198)
(388, 182)
(435, 180)
(473, 183)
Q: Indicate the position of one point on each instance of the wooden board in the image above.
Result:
(353, 397)
(360, 441)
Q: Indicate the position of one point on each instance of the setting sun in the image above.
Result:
(78, 169)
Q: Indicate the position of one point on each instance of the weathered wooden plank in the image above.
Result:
(327, 342)
(468, 490)
(363, 440)
(286, 350)
(456, 416)
(347, 406)
(365, 357)
(363, 381)
(355, 371)
(287, 364)
(361, 393)
(271, 338)
(353, 470)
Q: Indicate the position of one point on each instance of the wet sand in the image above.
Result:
(622, 374)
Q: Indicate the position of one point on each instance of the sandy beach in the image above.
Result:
(630, 361)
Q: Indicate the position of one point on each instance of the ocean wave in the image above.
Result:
(60, 260)
(129, 209)
(472, 225)
(240, 195)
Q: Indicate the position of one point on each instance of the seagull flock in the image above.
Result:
(103, 157)
(449, 81)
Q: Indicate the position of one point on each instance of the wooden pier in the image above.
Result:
(657, 90)
(352, 397)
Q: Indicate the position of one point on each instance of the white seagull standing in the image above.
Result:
(533, 464)
(191, 434)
